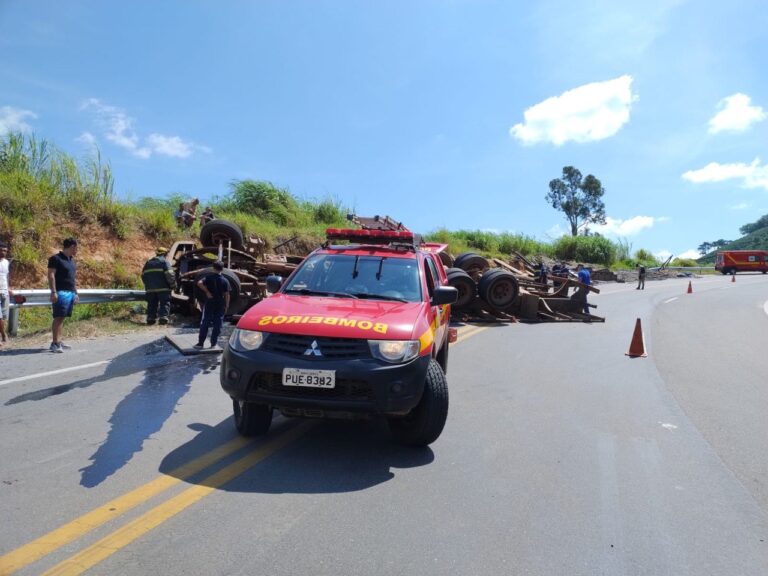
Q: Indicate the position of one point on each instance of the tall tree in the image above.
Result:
(580, 199)
(749, 228)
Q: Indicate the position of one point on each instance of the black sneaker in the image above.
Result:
(150, 322)
(56, 348)
(198, 346)
(163, 321)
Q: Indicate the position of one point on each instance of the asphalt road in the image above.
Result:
(561, 455)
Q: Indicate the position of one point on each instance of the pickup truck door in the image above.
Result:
(439, 315)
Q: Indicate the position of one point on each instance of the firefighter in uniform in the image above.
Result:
(158, 279)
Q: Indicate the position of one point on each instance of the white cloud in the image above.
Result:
(12, 119)
(740, 206)
(690, 254)
(119, 129)
(87, 139)
(736, 114)
(556, 231)
(752, 175)
(662, 255)
(591, 112)
(618, 227)
(169, 145)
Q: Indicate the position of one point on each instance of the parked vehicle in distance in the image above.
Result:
(732, 261)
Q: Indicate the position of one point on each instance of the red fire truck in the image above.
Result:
(359, 328)
(732, 261)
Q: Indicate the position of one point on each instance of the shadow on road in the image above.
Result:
(334, 456)
(24, 351)
(135, 360)
(142, 413)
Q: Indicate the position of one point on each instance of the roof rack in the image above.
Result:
(377, 223)
(376, 230)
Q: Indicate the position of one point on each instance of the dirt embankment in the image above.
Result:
(103, 261)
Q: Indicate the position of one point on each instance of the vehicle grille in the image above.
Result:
(345, 389)
(330, 348)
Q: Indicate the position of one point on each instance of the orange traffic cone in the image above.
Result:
(733, 277)
(637, 347)
(690, 287)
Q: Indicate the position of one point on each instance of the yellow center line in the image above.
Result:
(104, 548)
(78, 527)
(469, 332)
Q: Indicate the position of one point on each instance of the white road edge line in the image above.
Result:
(53, 372)
(670, 300)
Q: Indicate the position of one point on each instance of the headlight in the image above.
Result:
(245, 340)
(394, 351)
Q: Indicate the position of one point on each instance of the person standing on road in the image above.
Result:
(158, 279)
(586, 279)
(62, 273)
(216, 290)
(640, 277)
(5, 292)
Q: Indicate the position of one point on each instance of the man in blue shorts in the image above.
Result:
(62, 272)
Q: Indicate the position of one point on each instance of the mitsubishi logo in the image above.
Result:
(313, 350)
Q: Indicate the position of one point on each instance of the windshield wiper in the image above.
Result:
(365, 295)
(308, 292)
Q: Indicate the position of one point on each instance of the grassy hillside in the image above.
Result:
(47, 195)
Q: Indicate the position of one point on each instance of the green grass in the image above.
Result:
(85, 319)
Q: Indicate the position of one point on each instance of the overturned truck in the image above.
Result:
(492, 289)
(246, 263)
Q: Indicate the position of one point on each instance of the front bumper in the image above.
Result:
(363, 385)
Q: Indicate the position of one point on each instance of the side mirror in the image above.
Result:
(445, 295)
(274, 283)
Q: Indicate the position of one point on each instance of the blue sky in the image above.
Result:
(445, 113)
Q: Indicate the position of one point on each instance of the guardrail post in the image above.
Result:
(13, 321)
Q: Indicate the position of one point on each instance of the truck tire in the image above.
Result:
(232, 279)
(464, 284)
(423, 425)
(251, 419)
(499, 288)
(473, 264)
(222, 231)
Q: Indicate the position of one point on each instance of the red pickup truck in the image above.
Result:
(358, 329)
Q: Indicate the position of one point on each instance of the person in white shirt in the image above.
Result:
(5, 292)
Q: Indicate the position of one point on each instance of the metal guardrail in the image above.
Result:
(87, 296)
(684, 268)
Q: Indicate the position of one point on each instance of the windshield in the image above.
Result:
(368, 277)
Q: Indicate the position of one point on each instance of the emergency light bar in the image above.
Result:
(370, 236)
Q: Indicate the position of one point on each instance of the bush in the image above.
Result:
(646, 257)
(328, 211)
(268, 202)
(591, 249)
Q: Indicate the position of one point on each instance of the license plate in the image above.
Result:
(310, 378)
